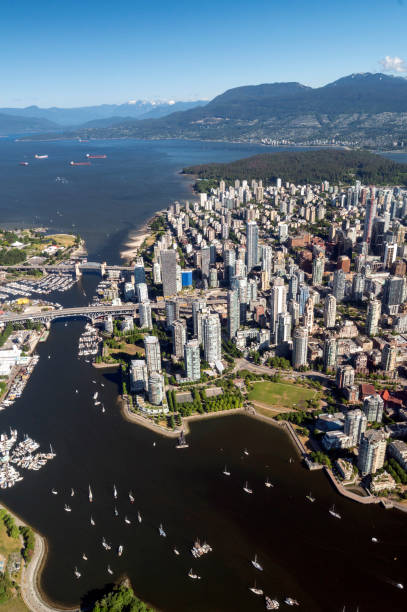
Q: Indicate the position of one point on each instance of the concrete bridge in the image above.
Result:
(88, 312)
(77, 268)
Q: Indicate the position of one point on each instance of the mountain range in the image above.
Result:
(359, 109)
(34, 118)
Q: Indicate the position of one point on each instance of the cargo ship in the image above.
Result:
(89, 156)
(72, 163)
(23, 163)
(40, 156)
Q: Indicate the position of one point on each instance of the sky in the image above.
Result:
(85, 52)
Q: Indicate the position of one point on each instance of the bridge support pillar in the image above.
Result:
(78, 272)
(103, 268)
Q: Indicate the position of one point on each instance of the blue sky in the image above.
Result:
(75, 53)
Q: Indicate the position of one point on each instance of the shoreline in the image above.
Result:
(136, 237)
(31, 592)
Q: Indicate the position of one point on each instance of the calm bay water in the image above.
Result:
(325, 563)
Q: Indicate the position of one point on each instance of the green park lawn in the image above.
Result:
(281, 394)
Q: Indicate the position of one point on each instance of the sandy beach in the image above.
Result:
(137, 237)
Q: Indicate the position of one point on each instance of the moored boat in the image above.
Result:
(333, 512)
(192, 575)
(256, 564)
(271, 604)
(247, 489)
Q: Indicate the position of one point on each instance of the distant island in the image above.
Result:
(336, 166)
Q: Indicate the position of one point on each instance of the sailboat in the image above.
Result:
(245, 452)
(126, 520)
(192, 575)
(333, 512)
(246, 488)
(161, 531)
(103, 409)
(92, 522)
(95, 395)
(72, 492)
(116, 513)
(76, 391)
(131, 498)
(109, 570)
(176, 551)
(139, 517)
(54, 492)
(268, 483)
(90, 495)
(226, 471)
(67, 508)
(114, 492)
(77, 574)
(120, 550)
(84, 557)
(310, 497)
(256, 564)
(375, 540)
(255, 590)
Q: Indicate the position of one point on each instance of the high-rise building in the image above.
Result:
(283, 327)
(373, 408)
(211, 334)
(179, 338)
(373, 317)
(168, 260)
(205, 261)
(138, 376)
(390, 254)
(355, 425)
(294, 310)
(252, 236)
(197, 307)
(155, 388)
(229, 261)
(153, 354)
(300, 347)
(172, 308)
(267, 259)
(345, 376)
(302, 296)
(139, 272)
(372, 451)
(156, 273)
(393, 293)
(233, 312)
(318, 266)
(330, 311)
(142, 292)
(330, 352)
(309, 315)
(278, 301)
(371, 207)
(338, 288)
(389, 357)
(146, 321)
(192, 360)
(358, 287)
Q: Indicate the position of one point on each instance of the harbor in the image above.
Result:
(22, 456)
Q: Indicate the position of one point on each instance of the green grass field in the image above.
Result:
(281, 394)
(8, 545)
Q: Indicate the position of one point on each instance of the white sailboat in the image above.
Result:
(139, 517)
(90, 495)
(127, 521)
(120, 551)
(67, 508)
(72, 492)
(176, 551)
(256, 564)
(192, 575)
(247, 489)
(92, 522)
(246, 452)
(109, 570)
(114, 492)
(226, 471)
(77, 574)
(161, 531)
(333, 512)
(255, 590)
(84, 557)
(131, 498)
(268, 483)
(116, 513)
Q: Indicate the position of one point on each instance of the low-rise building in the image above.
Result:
(398, 450)
(382, 482)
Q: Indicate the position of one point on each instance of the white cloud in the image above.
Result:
(393, 64)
